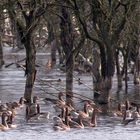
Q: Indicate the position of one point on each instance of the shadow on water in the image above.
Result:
(12, 88)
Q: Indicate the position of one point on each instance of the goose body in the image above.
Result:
(129, 118)
(84, 114)
(61, 125)
(93, 121)
(33, 111)
(10, 120)
(76, 123)
(4, 126)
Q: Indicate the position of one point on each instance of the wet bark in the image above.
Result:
(1, 52)
(108, 72)
(137, 71)
(67, 45)
(52, 42)
(1, 32)
(97, 79)
(104, 98)
(60, 52)
(30, 72)
(119, 72)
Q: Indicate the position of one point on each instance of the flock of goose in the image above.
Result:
(68, 117)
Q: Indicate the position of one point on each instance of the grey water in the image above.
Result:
(12, 82)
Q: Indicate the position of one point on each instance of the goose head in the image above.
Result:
(60, 95)
(35, 99)
(22, 100)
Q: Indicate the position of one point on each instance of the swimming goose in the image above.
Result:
(63, 125)
(60, 118)
(128, 118)
(93, 121)
(33, 111)
(19, 104)
(2, 109)
(58, 101)
(119, 113)
(84, 113)
(4, 125)
(76, 123)
(10, 120)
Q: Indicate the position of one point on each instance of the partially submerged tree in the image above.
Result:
(108, 20)
(1, 33)
(30, 11)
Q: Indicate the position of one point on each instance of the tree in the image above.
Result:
(108, 21)
(26, 24)
(1, 33)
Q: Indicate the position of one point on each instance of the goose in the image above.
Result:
(19, 104)
(84, 113)
(120, 111)
(33, 111)
(128, 118)
(76, 123)
(93, 121)
(4, 126)
(10, 120)
(63, 125)
(14, 105)
(60, 118)
(58, 101)
(2, 108)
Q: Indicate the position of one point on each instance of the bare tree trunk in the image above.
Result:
(52, 42)
(30, 67)
(108, 69)
(1, 32)
(60, 52)
(104, 98)
(53, 52)
(97, 79)
(119, 73)
(137, 71)
(1, 52)
(67, 44)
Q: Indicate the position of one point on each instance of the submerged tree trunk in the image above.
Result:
(67, 44)
(1, 52)
(119, 73)
(1, 32)
(108, 69)
(137, 71)
(52, 42)
(97, 79)
(30, 67)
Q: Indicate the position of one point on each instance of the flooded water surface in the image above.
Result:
(12, 82)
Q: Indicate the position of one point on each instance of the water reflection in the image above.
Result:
(109, 128)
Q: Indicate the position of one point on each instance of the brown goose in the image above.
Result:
(63, 125)
(58, 101)
(2, 109)
(33, 111)
(93, 121)
(84, 113)
(77, 123)
(4, 126)
(19, 104)
(10, 120)
(14, 105)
